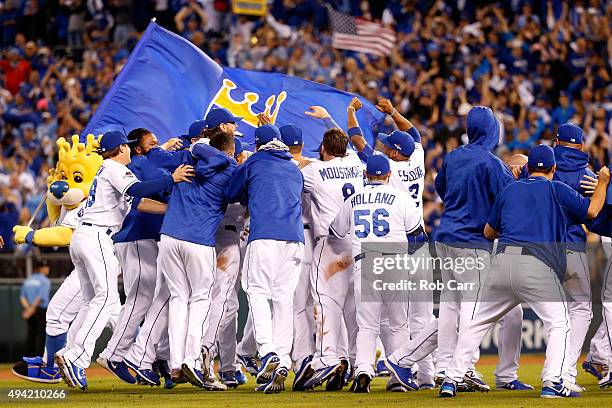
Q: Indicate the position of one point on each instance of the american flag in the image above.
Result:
(356, 34)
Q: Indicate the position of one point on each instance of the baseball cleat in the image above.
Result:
(240, 377)
(206, 362)
(339, 379)
(148, 377)
(403, 375)
(463, 387)
(448, 389)
(474, 380)
(62, 364)
(426, 386)
(606, 381)
(597, 370)
(573, 386)
(321, 375)
(212, 384)
(228, 378)
(269, 362)
(515, 385)
(361, 385)
(439, 378)
(193, 375)
(119, 369)
(557, 390)
(394, 386)
(249, 363)
(381, 368)
(34, 369)
(277, 383)
(161, 368)
(302, 375)
(178, 377)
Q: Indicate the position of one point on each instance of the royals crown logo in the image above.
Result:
(244, 109)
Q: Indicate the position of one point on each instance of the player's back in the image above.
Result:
(380, 213)
(409, 176)
(330, 183)
(107, 203)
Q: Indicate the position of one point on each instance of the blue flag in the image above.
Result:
(167, 83)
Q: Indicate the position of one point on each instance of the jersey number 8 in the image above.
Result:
(379, 225)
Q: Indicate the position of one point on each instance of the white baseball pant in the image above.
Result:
(92, 253)
(189, 270)
(152, 340)
(228, 266)
(577, 285)
(226, 342)
(371, 306)
(331, 280)
(270, 273)
(303, 312)
(514, 278)
(64, 305)
(457, 307)
(417, 348)
(139, 267)
(606, 306)
(599, 349)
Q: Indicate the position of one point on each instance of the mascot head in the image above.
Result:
(70, 181)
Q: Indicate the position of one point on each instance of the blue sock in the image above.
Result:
(53, 344)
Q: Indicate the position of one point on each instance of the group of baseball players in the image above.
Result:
(191, 222)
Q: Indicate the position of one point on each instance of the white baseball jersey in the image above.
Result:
(107, 204)
(71, 218)
(306, 200)
(377, 213)
(329, 184)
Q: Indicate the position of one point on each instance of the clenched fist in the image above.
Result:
(21, 231)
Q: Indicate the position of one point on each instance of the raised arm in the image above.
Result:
(320, 112)
(384, 105)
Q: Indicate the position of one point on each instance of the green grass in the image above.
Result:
(105, 391)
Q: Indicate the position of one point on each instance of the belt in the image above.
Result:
(509, 249)
(363, 255)
(109, 231)
(307, 226)
(230, 228)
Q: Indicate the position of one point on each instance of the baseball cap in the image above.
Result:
(541, 157)
(218, 116)
(266, 133)
(239, 147)
(112, 139)
(399, 141)
(570, 133)
(377, 165)
(196, 128)
(291, 135)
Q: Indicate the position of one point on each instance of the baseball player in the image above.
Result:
(303, 313)
(468, 182)
(187, 255)
(107, 205)
(136, 250)
(329, 182)
(271, 187)
(378, 213)
(407, 161)
(530, 218)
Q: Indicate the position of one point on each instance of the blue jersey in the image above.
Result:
(137, 224)
(535, 214)
(271, 186)
(571, 167)
(470, 179)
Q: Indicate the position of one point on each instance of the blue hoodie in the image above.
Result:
(196, 209)
(271, 186)
(470, 179)
(137, 224)
(571, 167)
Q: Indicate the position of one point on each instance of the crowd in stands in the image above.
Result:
(536, 63)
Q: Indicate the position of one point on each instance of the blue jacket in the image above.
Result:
(195, 209)
(470, 179)
(571, 167)
(271, 186)
(137, 224)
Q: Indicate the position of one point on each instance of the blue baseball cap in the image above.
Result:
(570, 133)
(266, 133)
(239, 147)
(378, 165)
(196, 128)
(541, 157)
(112, 139)
(218, 116)
(291, 135)
(398, 140)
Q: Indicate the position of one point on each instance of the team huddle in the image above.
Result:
(190, 222)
